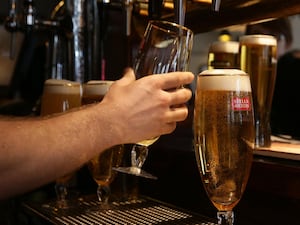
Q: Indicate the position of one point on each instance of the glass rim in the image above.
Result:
(224, 47)
(99, 82)
(157, 23)
(223, 72)
(260, 39)
(61, 82)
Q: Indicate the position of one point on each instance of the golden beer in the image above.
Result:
(101, 165)
(94, 91)
(223, 54)
(223, 134)
(147, 142)
(258, 59)
(59, 96)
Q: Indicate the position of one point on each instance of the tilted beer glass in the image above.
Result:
(166, 47)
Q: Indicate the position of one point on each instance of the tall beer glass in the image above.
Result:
(101, 165)
(223, 54)
(166, 47)
(224, 137)
(258, 59)
(60, 96)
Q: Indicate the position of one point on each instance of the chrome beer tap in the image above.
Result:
(25, 21)
(180, 10)
(11, 26)
(79, 26)
(215, 5)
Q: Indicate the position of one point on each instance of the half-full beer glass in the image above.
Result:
(258, 59)
(224, 137)
(101, 165)
(60, 96)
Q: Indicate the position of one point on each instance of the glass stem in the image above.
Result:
(225, 217)
(61, 193)
(139, 154)
(103, 193)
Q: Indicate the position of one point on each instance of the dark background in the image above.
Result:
(273, 192)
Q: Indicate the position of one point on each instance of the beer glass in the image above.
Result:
(60, 96)
(224, 137)
(258, 59)
(223, 54)
(101, 165)
(166, 47)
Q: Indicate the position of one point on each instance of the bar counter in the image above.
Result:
(272, 195)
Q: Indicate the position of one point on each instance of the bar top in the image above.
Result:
(281, 148)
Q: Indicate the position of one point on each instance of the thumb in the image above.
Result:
(128, 76)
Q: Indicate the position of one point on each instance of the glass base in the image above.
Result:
(225, 217)
(135, 171)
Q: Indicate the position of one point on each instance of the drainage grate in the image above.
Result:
(141, 211)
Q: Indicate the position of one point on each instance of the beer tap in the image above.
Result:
(79, 24)
(215, 5)
(29, 14)
(28, 20)
(11, 26)
(24, 22)
(128, 4)
(180, 10)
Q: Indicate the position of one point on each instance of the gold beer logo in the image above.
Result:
(240, 104)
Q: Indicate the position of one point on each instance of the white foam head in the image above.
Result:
(62, 86)
(224, 46)
(258, 39)
(96, 87)
(224, 79)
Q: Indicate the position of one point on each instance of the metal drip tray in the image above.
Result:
(135, 212)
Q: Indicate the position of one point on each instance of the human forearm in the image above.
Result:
(37, 151)
(30, 160)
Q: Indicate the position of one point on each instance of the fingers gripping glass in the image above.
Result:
(166, 47)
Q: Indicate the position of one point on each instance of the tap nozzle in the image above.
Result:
(11, 22)
(29, 13)
(215, 5)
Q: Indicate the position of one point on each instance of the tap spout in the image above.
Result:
(215, 5)
(180, 10)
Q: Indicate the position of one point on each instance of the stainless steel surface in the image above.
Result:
(135, 211)
(216, 5)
